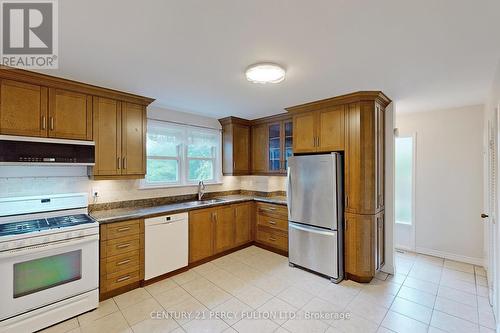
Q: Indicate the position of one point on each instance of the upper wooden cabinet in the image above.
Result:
(259, 141)
(364, 158)
(70, 115)
(120, 136)
(23, 109)
(319, 131)
(235, 146)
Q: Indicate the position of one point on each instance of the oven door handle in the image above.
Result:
(48, 246)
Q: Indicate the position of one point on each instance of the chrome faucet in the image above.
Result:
(201, 189)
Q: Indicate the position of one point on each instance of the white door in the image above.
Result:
(491, 203)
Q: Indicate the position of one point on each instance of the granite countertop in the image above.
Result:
(123, 214)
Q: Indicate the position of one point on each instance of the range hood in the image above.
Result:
(22, 150)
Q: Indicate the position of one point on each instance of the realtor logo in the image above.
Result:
(29, 34)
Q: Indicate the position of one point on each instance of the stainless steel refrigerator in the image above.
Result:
(315, 214)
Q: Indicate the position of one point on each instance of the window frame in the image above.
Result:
(183, 159)
(413, 136)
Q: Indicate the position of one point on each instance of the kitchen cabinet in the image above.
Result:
(380, 238)
(70, 115)
(235, 146)
(319, 130)
(243, 225)
(224, 226)
(23, 109)
(201, 234)
(121, 259)
(364, 158)
(272, 226)
(272, 139)
(120, 136)
(359, 246)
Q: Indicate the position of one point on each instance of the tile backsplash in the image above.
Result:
(120, 190)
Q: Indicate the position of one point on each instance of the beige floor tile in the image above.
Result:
(457, 296)
(330, 312)
(62, 327)
(172, 296)
(212, 297)
(295, 296)
(483, 329)
(132, 297)
(113, 323)
(382, 299)
(365, 308)
(105, 308)
(427, 286)
(456, 309)
(250, 325)
(304, 323)
(185, 277)
(141, 311)
(186, 310)
(384, 330)
(458, 275)
(460, 285)
(253, 296)
(355, 324)
(164, 325)
(232, 311)
(278, 310)
(417, 296)
(412, 310)
(271, 284)
(161, 286)
(207, 325)
(459, 266)
(425, 274)
(205, 268)
(399, 323)
(452, 324)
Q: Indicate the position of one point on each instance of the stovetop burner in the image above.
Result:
(22, 227)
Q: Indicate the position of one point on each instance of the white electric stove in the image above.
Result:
(49, 260)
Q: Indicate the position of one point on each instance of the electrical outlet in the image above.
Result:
(95, 192)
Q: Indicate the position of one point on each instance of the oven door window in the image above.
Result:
(47, 272)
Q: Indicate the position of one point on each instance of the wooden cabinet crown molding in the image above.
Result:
(45, 80)
(355, 97)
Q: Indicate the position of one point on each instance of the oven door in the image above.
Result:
(36, 276)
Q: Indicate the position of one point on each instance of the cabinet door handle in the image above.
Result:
(122, 246)
(346, 201)
(272, 222)
(123, 262)
(118, 163)
(346, 224)
(123, 229)
(272, 239)
(124, 163)
(51, 123)
(123, 278)
(44, 122)
(317, 140)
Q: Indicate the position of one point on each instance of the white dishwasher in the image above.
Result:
(166, 244)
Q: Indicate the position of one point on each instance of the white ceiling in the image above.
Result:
(191, 55)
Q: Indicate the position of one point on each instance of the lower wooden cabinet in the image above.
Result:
(218, 229)
(121, 255)
(272, 226)
(364, 245)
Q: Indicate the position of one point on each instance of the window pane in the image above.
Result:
(202, 144)
(404, 180)
(201, 170)
(162, 171)
(163, 139)
(47, 272)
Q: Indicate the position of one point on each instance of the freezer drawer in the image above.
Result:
(314, 248)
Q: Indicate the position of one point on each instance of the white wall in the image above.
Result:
(449, 181)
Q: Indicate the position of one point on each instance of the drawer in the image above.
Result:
(121, 229)
(275, 211)
(122, 245)
(272, 222)
(272, 238)
(123, 262)
(119, 279)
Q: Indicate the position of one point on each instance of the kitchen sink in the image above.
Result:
(203, 202)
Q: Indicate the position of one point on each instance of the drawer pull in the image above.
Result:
(123, 229)
(123, 262)
(272, 239)
(123, 278)
(272, 222)
(122, 246)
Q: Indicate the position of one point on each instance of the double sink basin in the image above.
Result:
(202, 202)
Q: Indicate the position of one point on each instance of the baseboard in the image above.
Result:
(450, 256)
(404, 248)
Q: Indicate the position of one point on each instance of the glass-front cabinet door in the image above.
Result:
(288, 150)
(274, 137)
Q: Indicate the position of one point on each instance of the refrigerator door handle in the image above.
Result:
(289, 193)
(310, 229)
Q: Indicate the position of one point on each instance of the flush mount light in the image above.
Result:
(265, 73)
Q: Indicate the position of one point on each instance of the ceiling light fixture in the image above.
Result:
(265, 73)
